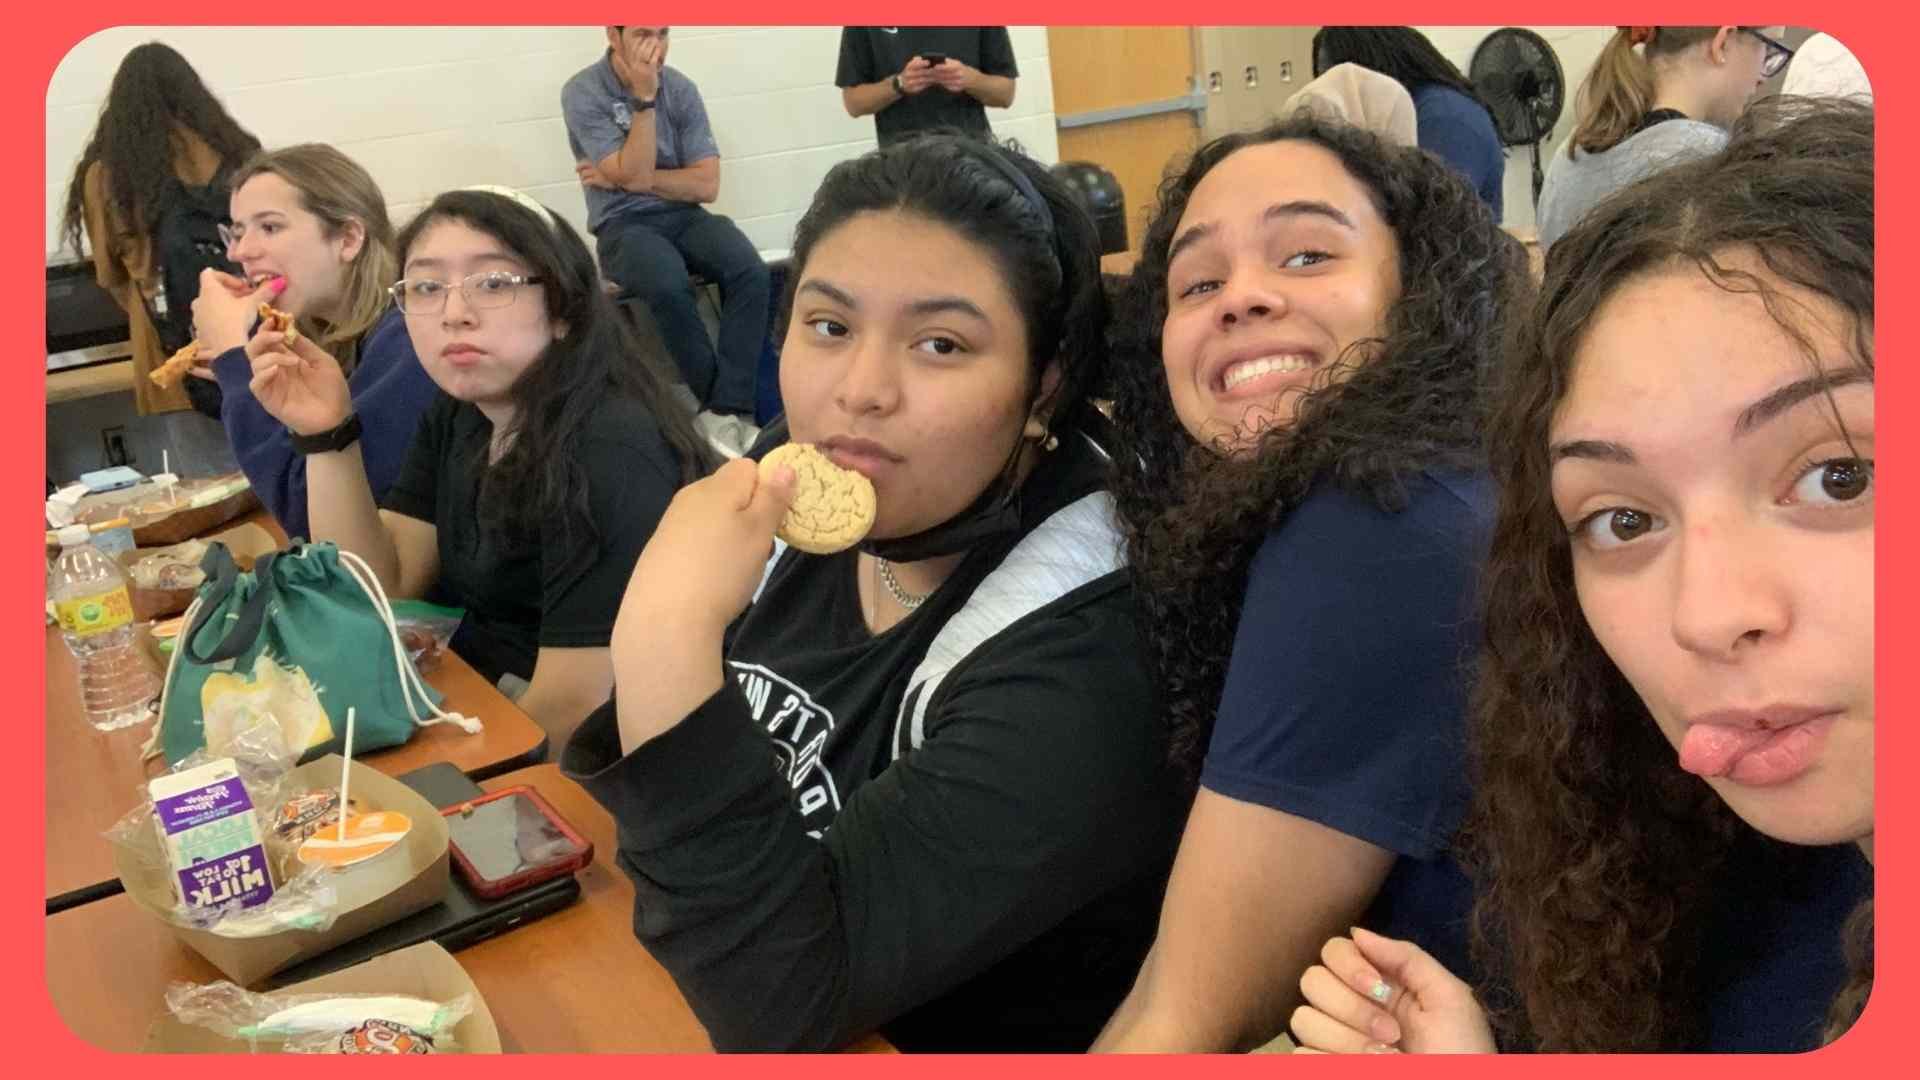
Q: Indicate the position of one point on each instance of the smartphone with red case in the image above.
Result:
(509, 839)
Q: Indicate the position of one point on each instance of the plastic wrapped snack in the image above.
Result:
(176, 567)
(425, 629)
(321, 1023)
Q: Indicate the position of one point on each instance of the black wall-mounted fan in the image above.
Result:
(1519, 77)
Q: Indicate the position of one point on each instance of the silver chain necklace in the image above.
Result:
(900, 596)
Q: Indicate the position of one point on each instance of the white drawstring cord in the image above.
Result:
(370, 584)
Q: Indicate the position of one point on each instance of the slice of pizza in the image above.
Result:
(272, 318)
(170, 373)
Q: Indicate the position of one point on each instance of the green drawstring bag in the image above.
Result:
(305, 635)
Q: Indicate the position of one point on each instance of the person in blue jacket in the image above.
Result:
(311, 234)
(1455, 124)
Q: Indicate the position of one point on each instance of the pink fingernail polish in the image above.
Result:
(279, 285)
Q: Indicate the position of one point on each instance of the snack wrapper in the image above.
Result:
(321, 1023)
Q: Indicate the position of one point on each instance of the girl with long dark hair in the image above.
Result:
(1301, 483)
(1675, 714)
(160, 133)
(539, 470)
(917, 785)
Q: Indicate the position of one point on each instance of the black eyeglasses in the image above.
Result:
(1777, 54)
(425, 296)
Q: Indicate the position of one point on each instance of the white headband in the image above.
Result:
(517, 196)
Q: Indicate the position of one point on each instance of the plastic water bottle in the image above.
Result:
(117, 685)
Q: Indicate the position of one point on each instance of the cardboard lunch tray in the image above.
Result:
(424, 971)
(385, 888)
(245, 543)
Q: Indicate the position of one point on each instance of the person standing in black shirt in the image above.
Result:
(916, 786)
(922, 78)
(536, 475)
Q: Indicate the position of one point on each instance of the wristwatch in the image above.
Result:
(327, 442)
(642, 106)
(897, 88)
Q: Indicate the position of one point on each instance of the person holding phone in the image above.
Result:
(920, 78)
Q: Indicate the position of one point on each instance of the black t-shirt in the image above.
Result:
(986, 877)
(561, 588)
(870, 54)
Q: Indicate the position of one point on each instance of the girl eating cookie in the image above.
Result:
(915, 785)
(538, 472)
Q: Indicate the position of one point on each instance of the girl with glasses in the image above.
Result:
(310, 235)
(1675, 717)
(1656, 96)
(538, 472)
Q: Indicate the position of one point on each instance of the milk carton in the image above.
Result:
(211, 836)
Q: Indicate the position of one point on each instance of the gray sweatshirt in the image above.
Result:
(1576, 184)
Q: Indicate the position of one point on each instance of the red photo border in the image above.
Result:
(42, 36)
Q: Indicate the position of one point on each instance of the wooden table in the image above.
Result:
(576, 981)
(93, 778)
(73, 384)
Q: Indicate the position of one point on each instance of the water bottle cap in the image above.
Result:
(75, 535)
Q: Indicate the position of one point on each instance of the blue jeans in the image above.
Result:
(648, 255)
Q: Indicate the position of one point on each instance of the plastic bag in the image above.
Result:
(426, 630)
(321, 1023)
(176, 567)
(303, 897)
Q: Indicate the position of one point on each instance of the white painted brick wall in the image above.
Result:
(425, 109)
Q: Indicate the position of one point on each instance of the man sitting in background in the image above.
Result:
(647, 158)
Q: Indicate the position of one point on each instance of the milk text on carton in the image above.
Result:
(212, 836)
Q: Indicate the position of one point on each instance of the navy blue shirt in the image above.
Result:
(390, 392)
(1454, 128)
(1345, 700)
(1774, 958)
